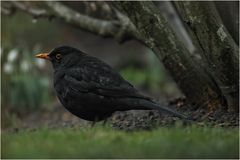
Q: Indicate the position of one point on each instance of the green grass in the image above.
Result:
(104, 142)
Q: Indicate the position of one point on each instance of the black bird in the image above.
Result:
(92, 90)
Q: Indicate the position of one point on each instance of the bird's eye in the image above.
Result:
(58, 56)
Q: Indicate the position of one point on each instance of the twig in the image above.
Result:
(36, 13)
(119, 26)
(6, 11)
(119, 29)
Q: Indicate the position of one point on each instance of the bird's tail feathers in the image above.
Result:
(156, 106)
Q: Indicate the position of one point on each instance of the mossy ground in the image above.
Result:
(105, 142)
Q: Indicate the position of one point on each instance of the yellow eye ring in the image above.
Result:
(58, 56)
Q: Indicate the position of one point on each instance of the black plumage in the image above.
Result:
(90, 89)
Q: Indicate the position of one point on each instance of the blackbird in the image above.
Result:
(92, 90)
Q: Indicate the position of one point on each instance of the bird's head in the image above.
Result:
(60, 55)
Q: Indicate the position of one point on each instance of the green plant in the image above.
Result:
(151, 76)
(23, 88)
(104, 142)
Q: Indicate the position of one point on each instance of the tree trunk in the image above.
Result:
(203, 77)
(229, 13)
(215, 45)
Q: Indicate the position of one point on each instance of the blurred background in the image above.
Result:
(26, 82)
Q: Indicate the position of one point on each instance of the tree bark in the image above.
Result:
(229, 13)
(218, 49)
(192, 77)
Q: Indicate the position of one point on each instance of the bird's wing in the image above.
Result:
(99, 79)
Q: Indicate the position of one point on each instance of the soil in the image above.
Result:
(129, 120)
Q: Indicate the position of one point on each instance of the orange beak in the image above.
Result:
(43, 55)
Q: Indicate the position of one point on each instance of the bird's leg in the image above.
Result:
(93, 124)
(105, 121)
